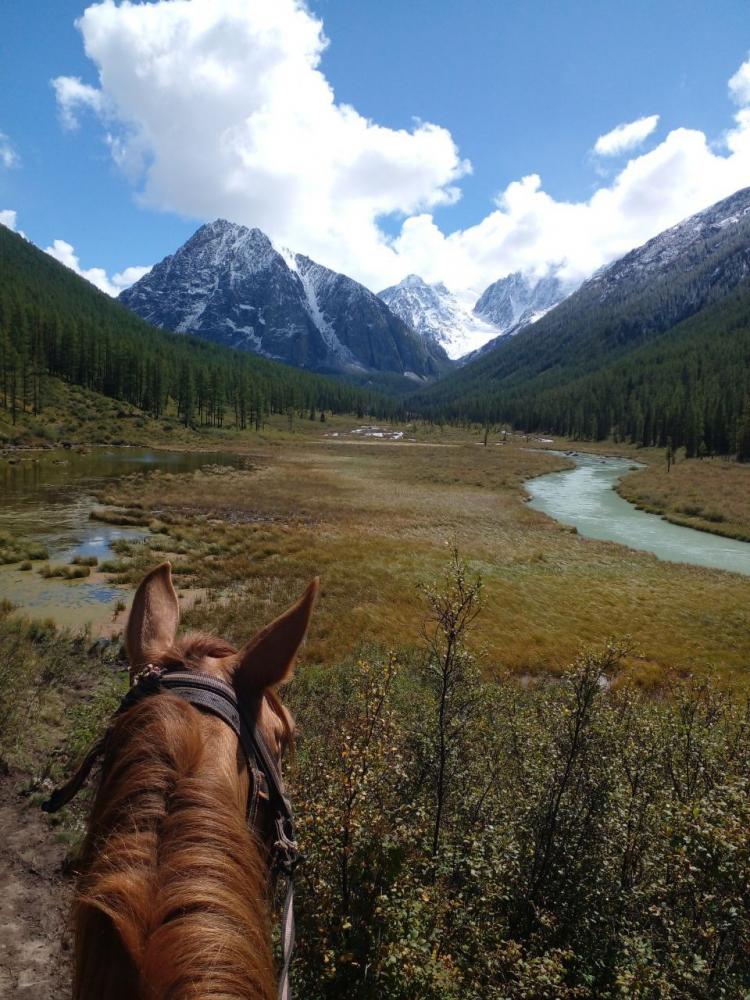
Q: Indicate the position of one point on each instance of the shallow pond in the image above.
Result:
(585, 497)
(47, 497)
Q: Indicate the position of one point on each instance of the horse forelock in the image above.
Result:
(192, 648)
(173, 887)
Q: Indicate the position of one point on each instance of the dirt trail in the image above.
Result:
(34, 902)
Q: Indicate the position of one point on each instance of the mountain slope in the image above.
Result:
(374, 336)
(54, 323)
(437, 316)
(691, 269)
(515, 301)
(228, 284)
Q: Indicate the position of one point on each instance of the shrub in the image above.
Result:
(593, 842)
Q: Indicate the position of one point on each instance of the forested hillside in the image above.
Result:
(53, 323)
(690, 386)
(656, 347)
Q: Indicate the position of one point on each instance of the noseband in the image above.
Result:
(213, 695)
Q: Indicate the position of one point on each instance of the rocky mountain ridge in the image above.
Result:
(229, 284)
(436, 314)
(636, 304)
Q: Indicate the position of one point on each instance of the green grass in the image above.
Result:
(14, 549)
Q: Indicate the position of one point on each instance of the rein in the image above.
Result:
(213, 695)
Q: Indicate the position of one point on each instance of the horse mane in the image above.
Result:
(172, 898)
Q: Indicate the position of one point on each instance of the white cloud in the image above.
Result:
(626, 136)
(219, 108)
(65, 254)
(72, 95)
(8, 155)
(8, 218)
(739, 85)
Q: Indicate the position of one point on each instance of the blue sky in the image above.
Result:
(519, 89)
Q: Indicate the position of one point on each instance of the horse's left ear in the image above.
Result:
(268, 659)
(153, 620)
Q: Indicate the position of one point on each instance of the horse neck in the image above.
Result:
(172, 897)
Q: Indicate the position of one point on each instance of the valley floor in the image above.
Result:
(375, 517)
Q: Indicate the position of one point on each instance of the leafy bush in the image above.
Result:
(574, 839)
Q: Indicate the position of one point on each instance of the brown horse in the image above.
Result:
(172, 898)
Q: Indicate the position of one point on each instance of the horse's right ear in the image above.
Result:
(268, 659)
(153, 620)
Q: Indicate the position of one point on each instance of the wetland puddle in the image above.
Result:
(47, 497)
(585, 498)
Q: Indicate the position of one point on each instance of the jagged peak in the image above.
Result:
(223, 228)
(412, 281)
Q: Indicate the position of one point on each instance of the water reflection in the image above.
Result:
(47, 497)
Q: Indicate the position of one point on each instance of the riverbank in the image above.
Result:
(709, 494)
(585, 498)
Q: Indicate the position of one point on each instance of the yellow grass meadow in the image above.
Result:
(374, 517)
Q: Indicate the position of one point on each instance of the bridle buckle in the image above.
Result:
(286, 854)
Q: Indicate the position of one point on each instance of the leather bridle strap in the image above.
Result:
(210, 694)
(213, 695)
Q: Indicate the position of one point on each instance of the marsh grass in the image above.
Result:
(708, 494)
(14, 549)
(373, 518)
(66, 572)
(109, 515)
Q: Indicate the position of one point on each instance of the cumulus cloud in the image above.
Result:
(65, 254)
(625, 137)
(219, 108)
(72, 95)
(739, 85)
(8, 155)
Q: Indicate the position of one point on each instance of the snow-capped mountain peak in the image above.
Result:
(438, 316)
(515, 301)
(229, 283)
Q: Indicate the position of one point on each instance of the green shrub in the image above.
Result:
(593, 841)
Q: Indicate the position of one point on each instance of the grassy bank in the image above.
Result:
(710, 494)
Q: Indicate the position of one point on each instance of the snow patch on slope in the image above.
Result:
(437, 315)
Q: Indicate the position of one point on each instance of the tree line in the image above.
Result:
(688, 386)
(55, 324)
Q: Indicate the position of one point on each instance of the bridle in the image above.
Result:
(217, 697)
